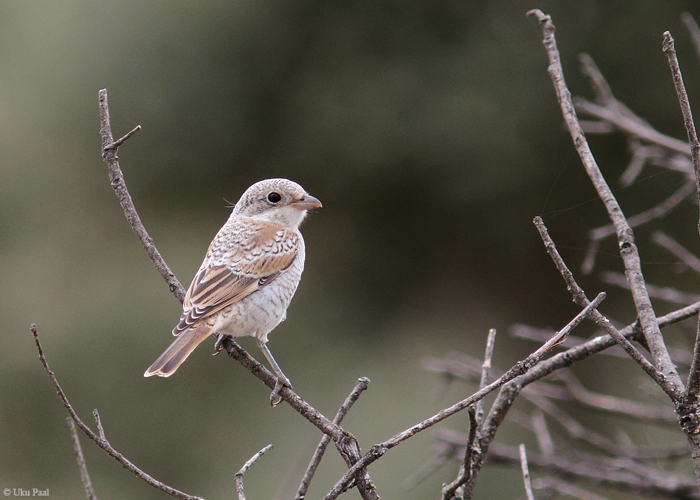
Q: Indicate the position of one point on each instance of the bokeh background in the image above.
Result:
(431, 133)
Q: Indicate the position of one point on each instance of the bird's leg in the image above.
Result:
(282, 380)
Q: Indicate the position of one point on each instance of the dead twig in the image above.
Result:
(476, 416)
(595, 236)
(360, 386)
(664, 380)
(239, 475)
(669, 48)
(100, 440)
(526, 472)
(517, 370)
(84, 476)
(677, 249)
(116, 178)
(667, 294)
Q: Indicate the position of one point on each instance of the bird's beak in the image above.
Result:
(308, 202)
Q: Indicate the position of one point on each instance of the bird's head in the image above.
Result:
(278, 200)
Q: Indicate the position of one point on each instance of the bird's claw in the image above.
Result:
(275, 398)
(219, 344)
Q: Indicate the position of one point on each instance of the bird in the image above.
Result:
(248, 277)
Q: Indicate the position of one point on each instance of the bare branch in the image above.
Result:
(360, 386)
(84, 476)
(100, 440)
(239, 475)
(520, 368)
(665, 381)
(116, 177)
(526, 472)
(669, 48)
(465, 470)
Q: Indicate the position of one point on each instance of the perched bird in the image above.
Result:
(248, 277)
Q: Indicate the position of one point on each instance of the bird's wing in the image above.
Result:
(247, 259)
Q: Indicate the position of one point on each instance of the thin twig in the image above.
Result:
(607, 472)
(665, 381)
(676, 249)
(566, 488)
(360, 386)
(520, 368)
(595, 236)
(476, 416)
(343, 439)
(613, 405)
(571, 425)
(239, 475)
(485, 367)
(84, 476)
(669, 48)
(99, 440)
(465, 470)
(428, 468)
(526, 472)
(632, 127)
(544, 438)
(528, 332)
(693, 29)
(98, 423)
(116, 177)
(665, 293)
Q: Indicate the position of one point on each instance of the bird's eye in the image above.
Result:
(274, 197)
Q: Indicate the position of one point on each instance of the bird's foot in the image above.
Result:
(275, 398)
(219, 344)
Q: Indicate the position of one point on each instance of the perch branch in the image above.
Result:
(347, 443)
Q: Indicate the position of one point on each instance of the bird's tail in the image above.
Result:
(179, 350)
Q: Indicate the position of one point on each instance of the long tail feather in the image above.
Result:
(177, 353)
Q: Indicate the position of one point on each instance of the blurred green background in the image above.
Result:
(430, 131)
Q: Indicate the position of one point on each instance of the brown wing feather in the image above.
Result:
(256, 260)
